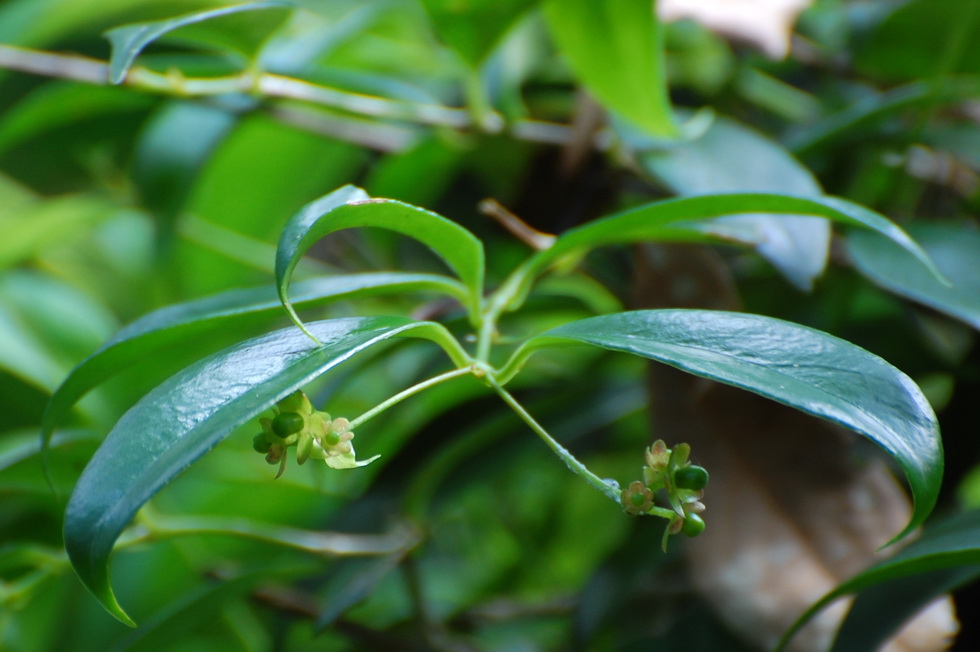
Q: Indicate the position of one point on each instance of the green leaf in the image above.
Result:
(857, 120)
(798, 366)
(189, 414)
(169, 326)
(730, 157)
(677, 220)
(951, 544)
(129, 40)
(956, 250)
(616, 50)
(40, 224)
(923, 39)
(58, 105)
(350, 207)
(880, 611)
(473, 27)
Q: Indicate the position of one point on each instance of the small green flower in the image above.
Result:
(682, 483)
(314, 434)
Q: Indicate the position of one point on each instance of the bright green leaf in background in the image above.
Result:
(188, 415)
(615, 49)
(794, 365)
(473, 27)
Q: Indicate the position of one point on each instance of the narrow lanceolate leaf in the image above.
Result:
(168, 326)
(189, 414)
(952, 544)
(792, 364)
(616, 50)
(957, 254)
(730, 157)
(350, 207)
(129, 40)
(677, 220)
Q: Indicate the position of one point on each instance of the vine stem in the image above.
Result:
(273, 86)
(610, 490)
(411, 391)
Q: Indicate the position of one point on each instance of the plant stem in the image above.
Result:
(411, 391)
(610, 490)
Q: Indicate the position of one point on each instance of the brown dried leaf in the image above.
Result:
(766, 24)
(795, 504)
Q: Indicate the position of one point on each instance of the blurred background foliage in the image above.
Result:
(115, 201)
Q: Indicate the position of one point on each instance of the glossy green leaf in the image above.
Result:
(189, 414)
(730, 157)
(954, 543)
(129, 40)
(682, 220)
(350, 207)
(798, 366)
(616, 50)
(474, 27)
(956, 251)
(170, 325)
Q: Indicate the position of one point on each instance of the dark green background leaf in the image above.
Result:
(730, 157)
(957, 254)
(954, 543)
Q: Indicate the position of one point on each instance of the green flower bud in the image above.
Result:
(261, 444)
(691, 477)
(693, 525)
(287, 423)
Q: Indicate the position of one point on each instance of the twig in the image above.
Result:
(537, 240)
(273, 86)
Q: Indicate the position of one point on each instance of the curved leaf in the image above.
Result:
(730, 157)
(954, 543)
(189, 414)
(677, 220)
(956, 251)
(168, 326)
(129, 40)
(350, 207)
(803, 368)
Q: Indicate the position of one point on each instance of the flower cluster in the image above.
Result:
(683, 484)
(314, 434)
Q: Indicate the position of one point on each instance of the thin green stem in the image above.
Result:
(662, 512)
(411, 391)
(609, 489)
(500, 301)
